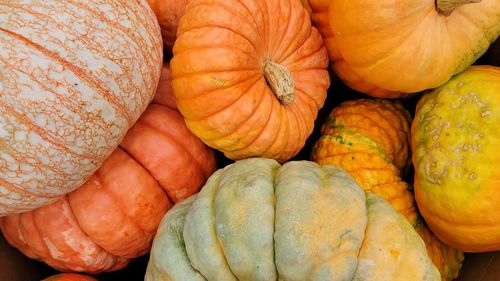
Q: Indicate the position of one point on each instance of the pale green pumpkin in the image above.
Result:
(258, 220)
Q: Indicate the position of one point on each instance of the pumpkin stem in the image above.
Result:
(281, 81)
(446, 7)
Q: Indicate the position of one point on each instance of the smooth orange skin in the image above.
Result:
(218, 80)
(319, 18)
(114, 216)
(408, 45)
(405, 47)
(455, 142)
(370, 139)
(168, 13)
(69, 277)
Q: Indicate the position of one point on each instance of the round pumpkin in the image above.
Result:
(391, 48)
(74, 77)
(114, 216)
(249, 76)
(455, 142)
(69, 277)
(257, 220)
(370, 139)
(168, 13)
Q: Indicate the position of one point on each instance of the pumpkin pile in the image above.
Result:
(114, 216)
(355, 140)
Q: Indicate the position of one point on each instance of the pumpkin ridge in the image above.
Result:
(226, 107)
(204, 72)
(91, 43)
(120, 27)
(190, 119)
(260, 132)
(369, 142)
(130, 220)
(79, 72)
(144, 167)
(71, 266)
(217, 25)
(15, 187)
(68, 103)
(242, 122)
(281, 36)
(40, 132)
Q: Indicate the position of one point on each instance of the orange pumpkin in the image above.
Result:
(455, 143)
(370, 139)
(114, 216)
(168, 13)
(69, 277)
(73, 79)
(249, 76)
(392, 48)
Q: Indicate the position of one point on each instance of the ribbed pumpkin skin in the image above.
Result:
(219, 82)
(114, 216)
(384, 60)
(319, 18)
(455, 142)
(168, 13)
(69, 277)
(408, 46)
(370, 139)
(74, 77)
(257, 220)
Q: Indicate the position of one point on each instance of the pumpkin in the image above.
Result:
(370, 139)
(74, 77)
(258, 220)
(69, 277)
(391, 49)
(168, 13)
(455, 141)
(249, 76)
(114, 216)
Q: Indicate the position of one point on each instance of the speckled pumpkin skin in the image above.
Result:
(74, 77)
(114, 216)
(257, 220)
(455, 143)
(370, 139)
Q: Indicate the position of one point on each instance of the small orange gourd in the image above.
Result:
(370, 139)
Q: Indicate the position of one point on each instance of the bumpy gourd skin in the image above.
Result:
(257, 220)
(370, 140)
(455, 142)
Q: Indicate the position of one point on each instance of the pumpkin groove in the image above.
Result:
(126, 196)
(69, 91)
(370, 139)
(272, 47)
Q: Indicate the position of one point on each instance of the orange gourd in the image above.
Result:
(114, 216)
(249, 76)
(168, 13)
(391, 49)
(74, 77)
(455, 142)
(370, 139)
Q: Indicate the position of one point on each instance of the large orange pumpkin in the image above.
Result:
(249, 76)
(168, 13)
(74, 77)
(114, 216)
(393, 48)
